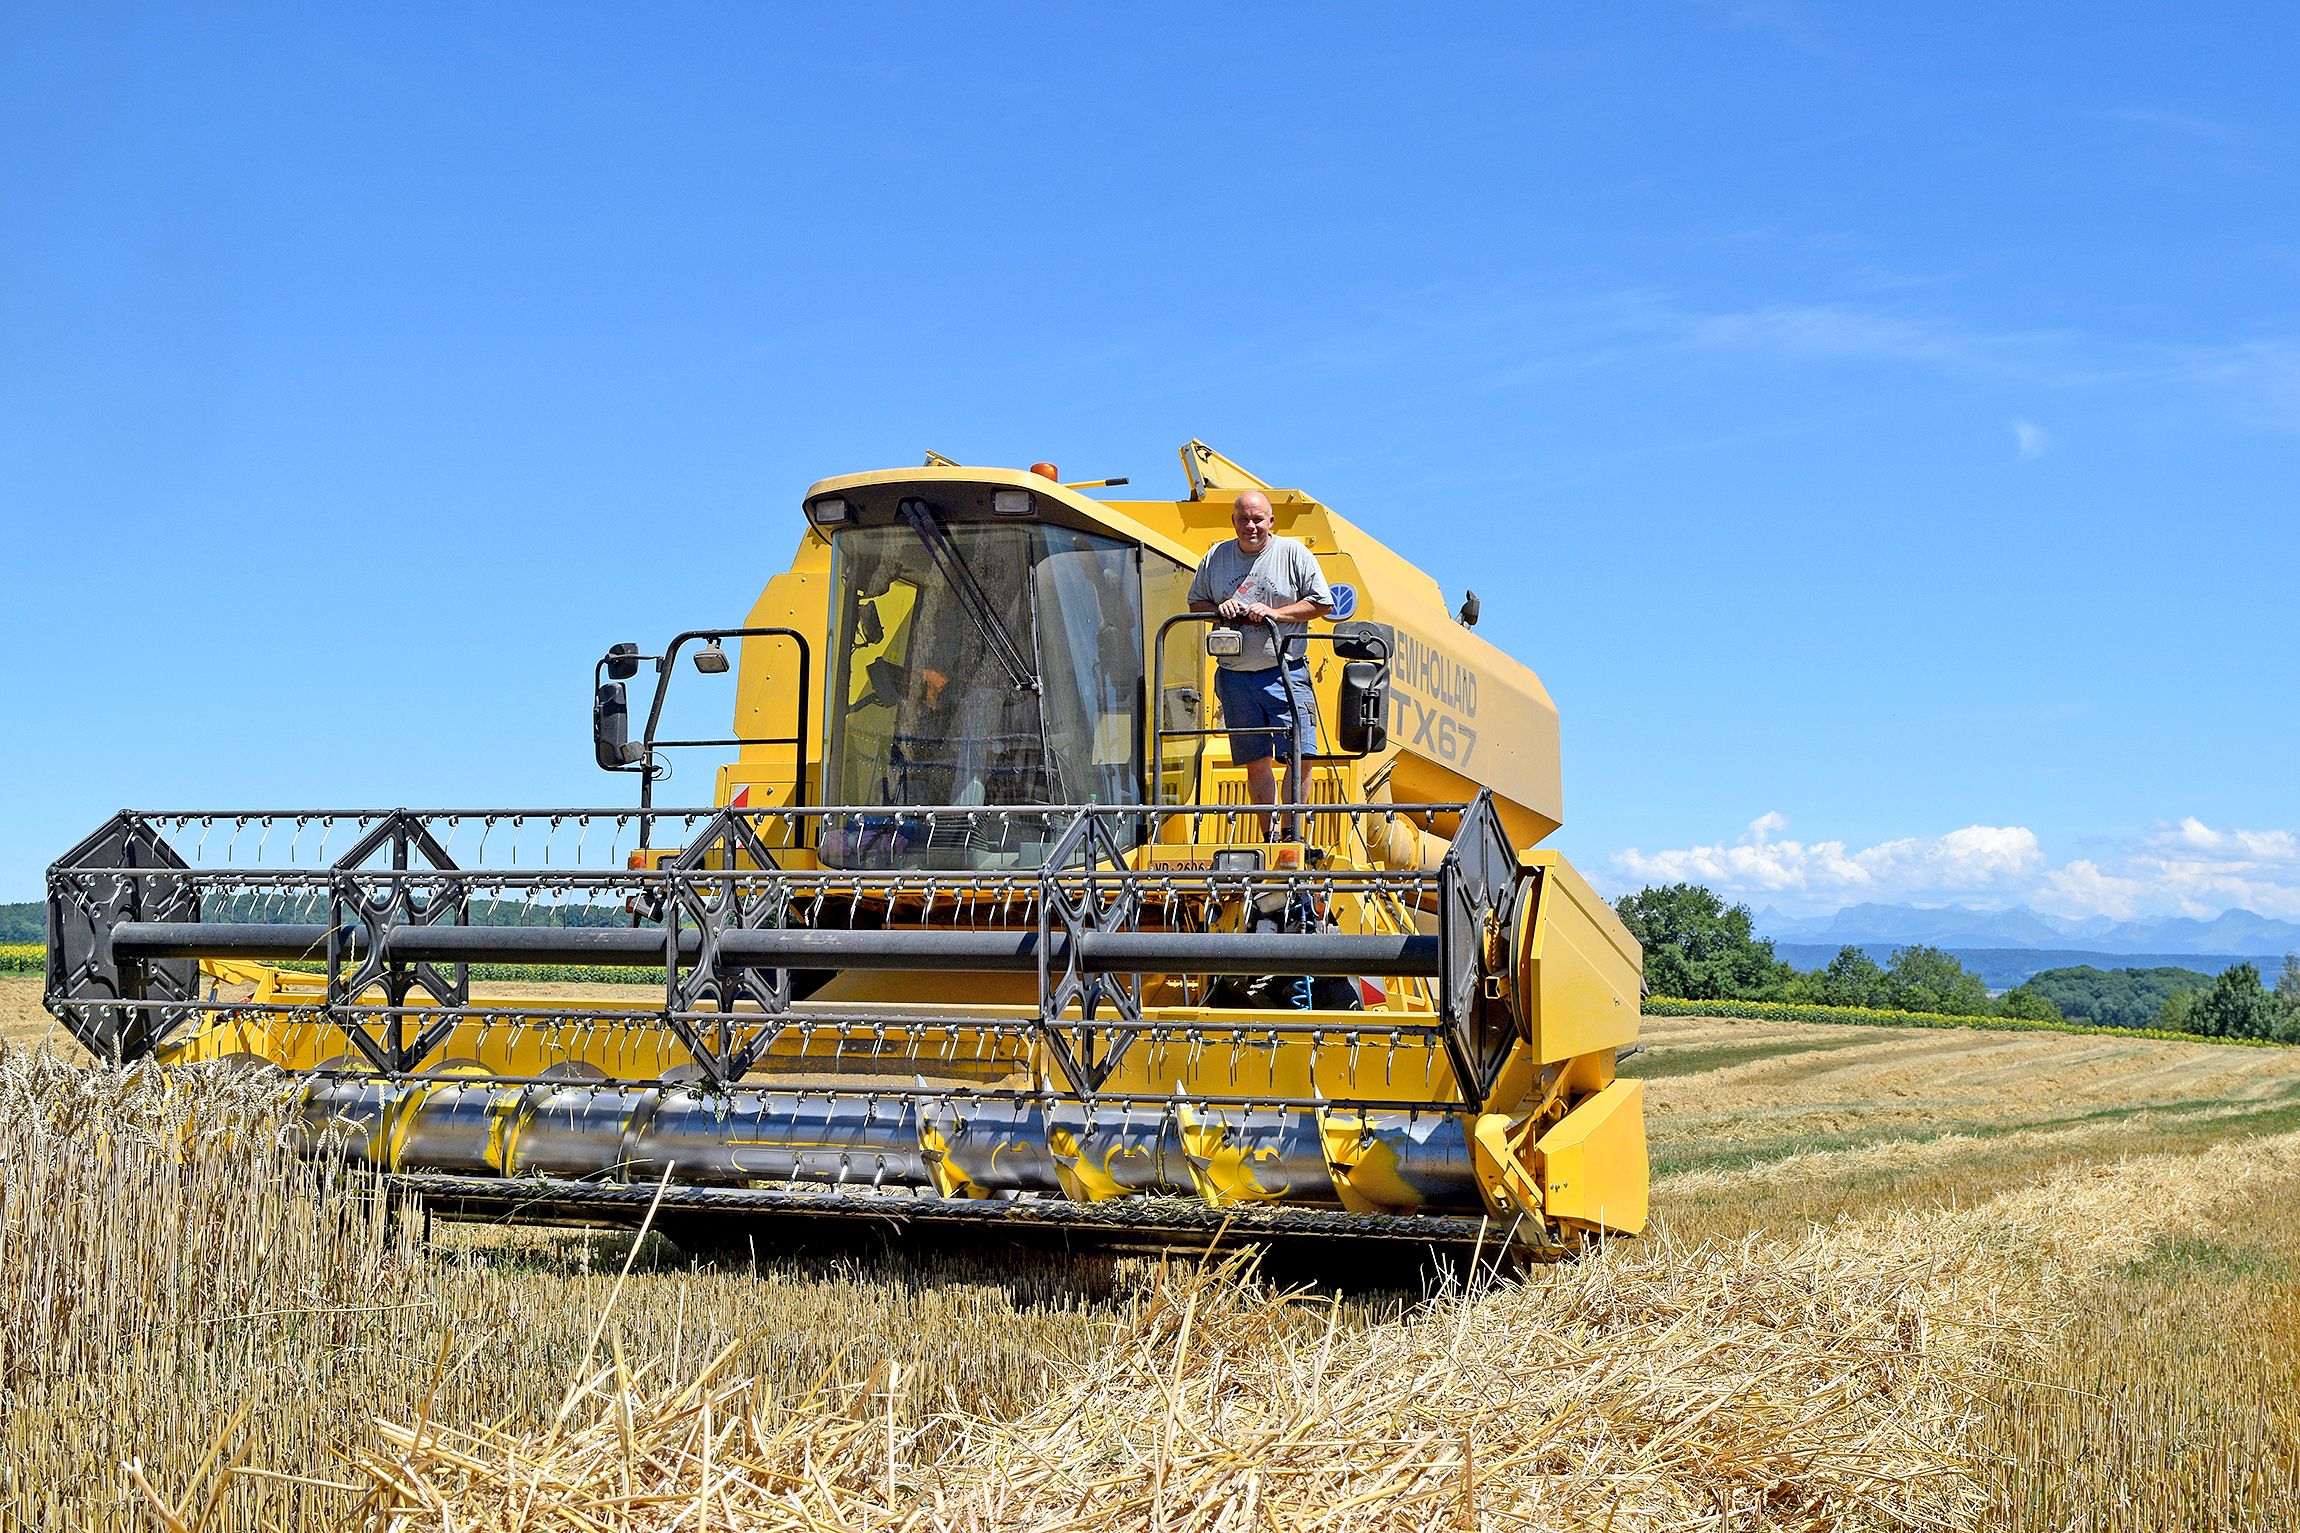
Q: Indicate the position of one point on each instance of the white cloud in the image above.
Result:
(2185, 868)
(1979, 856)
(2033, 439)
(1840, 332)
(2262, 376)
(2259, 379)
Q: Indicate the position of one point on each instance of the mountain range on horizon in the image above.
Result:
(2232, 932)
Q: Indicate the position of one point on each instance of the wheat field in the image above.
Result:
(1896, 1280)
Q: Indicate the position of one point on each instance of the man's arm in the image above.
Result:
(1202, 584)
(1303, 611)
(1202, 594)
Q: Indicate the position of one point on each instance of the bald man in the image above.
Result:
(1258, 579)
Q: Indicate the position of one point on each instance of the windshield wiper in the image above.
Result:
(947, 559)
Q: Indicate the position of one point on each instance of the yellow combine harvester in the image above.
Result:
(979, 932)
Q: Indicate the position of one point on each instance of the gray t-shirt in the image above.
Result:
(1284, 572)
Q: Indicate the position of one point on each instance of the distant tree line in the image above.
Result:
(2235, 1004)
(2238, 1005)
(1698, 948)
(2115, 997)
(27, 922)
(312, 908)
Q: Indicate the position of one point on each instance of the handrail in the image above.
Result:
(666, 665)
(1162, 734)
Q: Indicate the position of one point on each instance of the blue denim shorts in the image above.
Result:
(1256, 702)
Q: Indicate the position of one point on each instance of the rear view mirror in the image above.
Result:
(622, 661)
(1180, 708)
(888, 683)
(611, 724)
(1365, 641)
(1363, 726)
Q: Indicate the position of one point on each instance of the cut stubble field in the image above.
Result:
(1896, 1279)
(1774, 1124)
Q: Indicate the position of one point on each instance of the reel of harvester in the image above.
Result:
(1050, 1049)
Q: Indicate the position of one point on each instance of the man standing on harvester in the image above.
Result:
(1271, 587)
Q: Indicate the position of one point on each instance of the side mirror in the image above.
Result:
(622, 661)
(1364, 724)
(1180, 710)
(888, 682)
(611, 725)
(1365, 641)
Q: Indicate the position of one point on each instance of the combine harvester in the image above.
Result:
(979, 936)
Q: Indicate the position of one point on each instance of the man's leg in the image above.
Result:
(1252, 705)
(1262, 777)
(1293, 710)
(1262, 787)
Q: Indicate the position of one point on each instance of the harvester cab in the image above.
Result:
(979, 929)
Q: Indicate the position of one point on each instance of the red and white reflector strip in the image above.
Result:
(1371, 992)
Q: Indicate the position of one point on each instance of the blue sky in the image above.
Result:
(1880, 429)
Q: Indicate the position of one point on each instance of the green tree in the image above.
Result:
(1698, 948)
(2178, 1013)
(1851, 979)
(24, 923)
(2028, 1005)
(2114, 997)
(1924, 978)
(2237, 1006)
(2288, 1000)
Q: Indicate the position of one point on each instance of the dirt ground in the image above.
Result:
(24, 1021)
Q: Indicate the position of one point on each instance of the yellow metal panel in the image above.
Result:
(1583, 972)
(1506, 1181)
(766, 678)
(1416, 779)
(1594, 1170)
(1209, 470)
(1056, 503)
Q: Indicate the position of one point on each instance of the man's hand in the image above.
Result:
(1252, 612)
